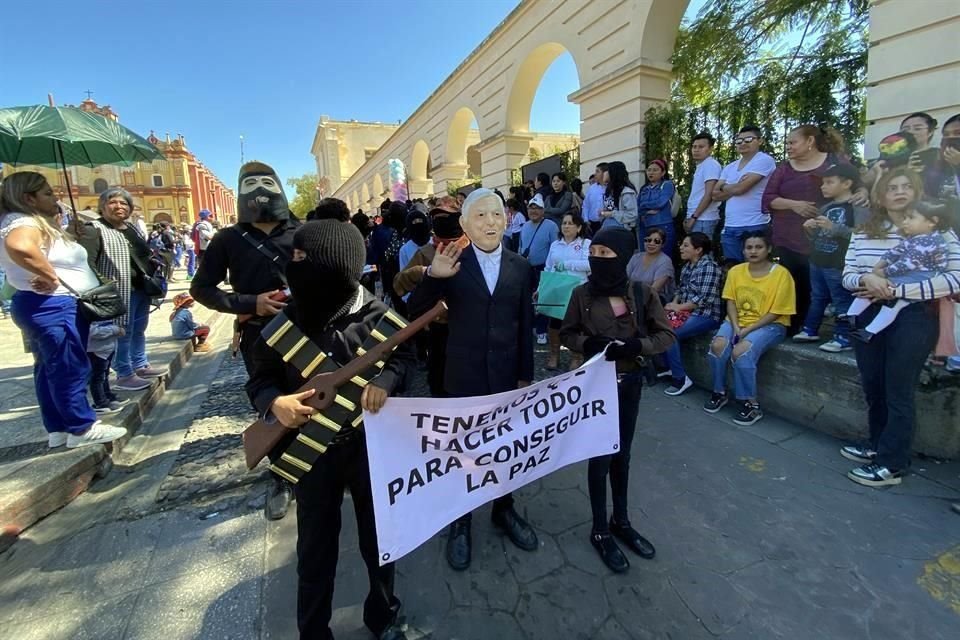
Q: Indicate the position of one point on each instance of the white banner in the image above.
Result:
(434, 459)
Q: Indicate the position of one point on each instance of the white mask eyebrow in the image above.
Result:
(253, 183)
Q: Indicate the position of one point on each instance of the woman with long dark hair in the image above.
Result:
(619, 198)
(891, 362)
(654, 203)
(560, 200)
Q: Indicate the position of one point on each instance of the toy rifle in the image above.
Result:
(260, 438)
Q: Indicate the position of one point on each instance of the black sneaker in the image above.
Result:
(749, 413)
(875, 475)
(866, 455)
(716, 402)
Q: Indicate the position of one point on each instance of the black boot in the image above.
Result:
(459, 545)
(279, 496)
(517, 529)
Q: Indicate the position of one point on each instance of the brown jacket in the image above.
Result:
(588, 316)
(408, 279)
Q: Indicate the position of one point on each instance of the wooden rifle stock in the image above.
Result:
(260, 438)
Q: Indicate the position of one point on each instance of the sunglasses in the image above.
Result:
(744, 139)
(653, 240)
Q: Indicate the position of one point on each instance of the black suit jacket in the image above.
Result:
(490, 347)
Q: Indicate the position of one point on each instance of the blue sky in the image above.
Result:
(215, 70)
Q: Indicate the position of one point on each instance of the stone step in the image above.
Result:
(804, 385)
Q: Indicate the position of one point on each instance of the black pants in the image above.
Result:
(890, 366)
(319, 498)
(249, 334)
(798, 265)
(503, 503)
(437, 358)
(100, 380)
(617, 466)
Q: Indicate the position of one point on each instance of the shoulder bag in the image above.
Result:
(103, 302)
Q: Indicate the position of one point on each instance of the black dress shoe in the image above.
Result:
(636, 542)
(459, 546)
(517, 529)
(609, 552)
(862, 335)
(278, 499)
(393, 632)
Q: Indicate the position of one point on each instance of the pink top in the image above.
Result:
(619, 306)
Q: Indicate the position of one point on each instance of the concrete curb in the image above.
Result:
(59, 478)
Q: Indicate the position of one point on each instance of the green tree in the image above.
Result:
(306, 195)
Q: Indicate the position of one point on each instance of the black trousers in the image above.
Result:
(319, 498)
(437, 358)
(890, 366)
(617, 466)
(100, 380)
(798, 265)
(249, 334)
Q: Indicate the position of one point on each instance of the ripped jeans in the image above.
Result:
(745, 365)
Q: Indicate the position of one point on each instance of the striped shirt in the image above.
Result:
(864, 252)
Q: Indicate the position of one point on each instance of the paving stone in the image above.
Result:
(557, 510)
(476, 624)
(567, 604)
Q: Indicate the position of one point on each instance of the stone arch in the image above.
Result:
(526, 82)
(660, 29)
(354, 202)
(364, 193)
(419, 161)
(457, 130)
(377, 185)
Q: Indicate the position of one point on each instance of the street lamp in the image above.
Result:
(241, 150)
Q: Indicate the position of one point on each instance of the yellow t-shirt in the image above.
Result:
(756, 297)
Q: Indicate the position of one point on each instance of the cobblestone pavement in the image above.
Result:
(759, 536)
(211, 456)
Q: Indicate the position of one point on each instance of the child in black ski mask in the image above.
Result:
(609, 312)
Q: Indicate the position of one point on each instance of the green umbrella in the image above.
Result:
(67, 136)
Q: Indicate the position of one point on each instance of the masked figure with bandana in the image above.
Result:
(489, 296)
(338, 316)
(254, 252)
(608, 312)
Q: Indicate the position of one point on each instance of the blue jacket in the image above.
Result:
(182, 324)
(656, 197)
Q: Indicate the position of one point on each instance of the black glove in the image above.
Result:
(630, 349)
(594, 345)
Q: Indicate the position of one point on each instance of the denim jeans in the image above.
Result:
(705, 226)
(890, 366)
(617, 465)
(826, 286)
(60, 365)
(745, 366)
(694, 326)
(731, 239)
(191, 262)
(132, 346)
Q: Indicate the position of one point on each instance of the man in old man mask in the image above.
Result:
(254, 252)
(488, 290)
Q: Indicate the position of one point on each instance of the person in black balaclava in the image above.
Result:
(609, 312)
(337, 314)
(254, 253)
(389, 266)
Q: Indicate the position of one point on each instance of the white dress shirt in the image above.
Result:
(489, 265)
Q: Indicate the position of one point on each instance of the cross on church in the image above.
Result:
(89, 93)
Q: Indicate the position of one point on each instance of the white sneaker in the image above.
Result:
(99, 433)
(56, 439)
(676, 389)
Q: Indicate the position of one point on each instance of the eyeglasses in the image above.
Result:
(653, 240)
(745, 139)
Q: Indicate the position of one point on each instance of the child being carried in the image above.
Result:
(921, 255)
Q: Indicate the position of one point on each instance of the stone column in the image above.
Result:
(612, 115)
(447, 173)
(500, 155)
(420, 188)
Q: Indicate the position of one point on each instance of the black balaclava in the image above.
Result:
(608, 276)
(418, 228)
(396, 216)
(260, 196)
(325, 283)
(446, 226)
